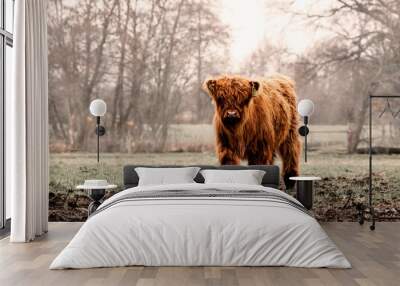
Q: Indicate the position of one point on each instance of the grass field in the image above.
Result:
(344, 184)
(345, 179)
(323, 137)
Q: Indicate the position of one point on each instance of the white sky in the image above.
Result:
(252, 21)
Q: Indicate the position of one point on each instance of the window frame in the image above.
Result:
(6, 39)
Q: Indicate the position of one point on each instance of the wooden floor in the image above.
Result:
(375, 257)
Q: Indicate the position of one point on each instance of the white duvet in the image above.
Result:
(200, 231)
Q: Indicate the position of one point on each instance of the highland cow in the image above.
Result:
(254, 120)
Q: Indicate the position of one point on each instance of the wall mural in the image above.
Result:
(158, 64)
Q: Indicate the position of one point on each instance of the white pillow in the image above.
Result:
(165, 176)
(248, 177)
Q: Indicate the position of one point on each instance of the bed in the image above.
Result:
(198, 224)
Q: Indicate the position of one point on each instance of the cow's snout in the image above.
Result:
(231, 117)
(232, 114)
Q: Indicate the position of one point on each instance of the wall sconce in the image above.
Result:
(98, 108)
(305, 108)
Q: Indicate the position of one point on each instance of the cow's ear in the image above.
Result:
(210, 86)
(255, 85)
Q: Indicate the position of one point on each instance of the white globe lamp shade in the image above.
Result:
(98, 107)
(305, 107)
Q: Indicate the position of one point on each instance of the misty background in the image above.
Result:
(148, 58)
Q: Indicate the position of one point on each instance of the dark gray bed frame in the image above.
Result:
(270, 179)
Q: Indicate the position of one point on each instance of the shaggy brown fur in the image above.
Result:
(255, 119)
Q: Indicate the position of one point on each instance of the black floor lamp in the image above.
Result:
(98, 108)
(305, 109)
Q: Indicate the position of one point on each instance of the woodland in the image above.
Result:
(148, 59)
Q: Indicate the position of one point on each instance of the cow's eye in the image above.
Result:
(246, 101)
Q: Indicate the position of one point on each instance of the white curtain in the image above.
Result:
(27, 124)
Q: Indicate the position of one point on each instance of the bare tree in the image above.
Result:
(266, 59)
(366, 41)
(146, 58)
(78, 37)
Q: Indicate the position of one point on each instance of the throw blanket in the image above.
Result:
(206, 194)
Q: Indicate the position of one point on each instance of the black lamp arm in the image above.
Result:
(303, 131)
(100, 131)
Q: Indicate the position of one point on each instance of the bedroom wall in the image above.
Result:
(148, 61)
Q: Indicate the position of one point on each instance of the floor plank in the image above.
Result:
(375, 257)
